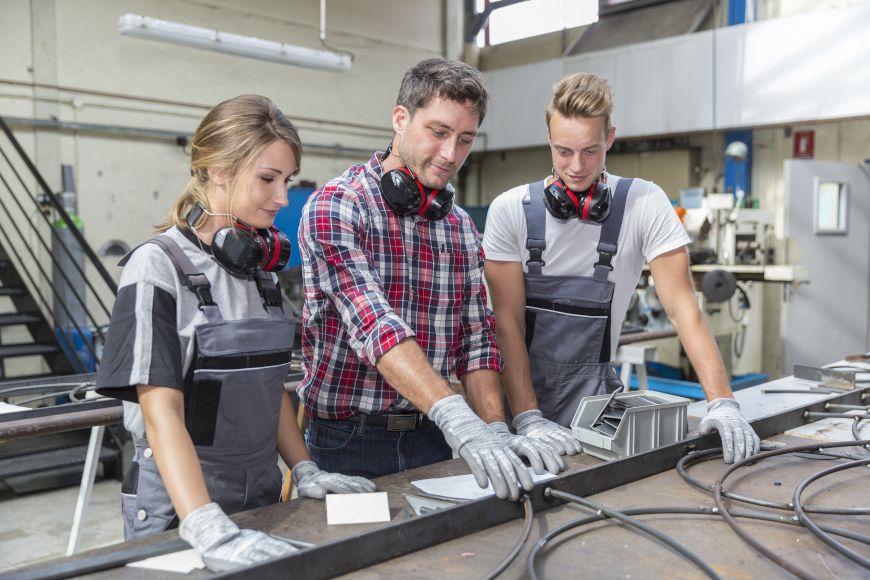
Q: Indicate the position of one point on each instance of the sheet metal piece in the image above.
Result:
(830, 377)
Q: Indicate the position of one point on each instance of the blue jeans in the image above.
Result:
(369, 451)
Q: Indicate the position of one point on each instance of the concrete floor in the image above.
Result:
(36, 526)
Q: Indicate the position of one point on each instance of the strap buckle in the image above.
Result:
(535, 255)
(606, 251)
(200, 286)
(402, 421)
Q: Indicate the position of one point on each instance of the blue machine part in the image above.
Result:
(738, 175)
(289, 218)
(694, 390)
(81, 358)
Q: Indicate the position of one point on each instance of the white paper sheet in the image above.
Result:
(465, 486)
(183, 562)
(7, 408)
(357, 508)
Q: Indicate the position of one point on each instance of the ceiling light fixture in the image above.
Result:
(227, 43)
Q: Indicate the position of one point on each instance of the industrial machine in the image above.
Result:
(732, 253)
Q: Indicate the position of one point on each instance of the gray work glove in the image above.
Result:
(738, 438)
(481, 448)
(312, 482)
(532, 424)
(538, 454)
(222, 545)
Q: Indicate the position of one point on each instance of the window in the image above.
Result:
(830, 208)
(534, 17)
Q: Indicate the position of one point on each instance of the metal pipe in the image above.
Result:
(161, 134)
(642, 336)
(60, 423)
(182, 104)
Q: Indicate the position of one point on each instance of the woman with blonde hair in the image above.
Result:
(198, 347)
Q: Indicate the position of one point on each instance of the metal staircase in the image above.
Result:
(48, 272)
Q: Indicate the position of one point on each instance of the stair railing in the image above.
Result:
(32, 278)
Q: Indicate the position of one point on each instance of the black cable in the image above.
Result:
(808, 523)
(527, 530)
(692, 511)
(710, 453)
(717, 496)
(686, 553)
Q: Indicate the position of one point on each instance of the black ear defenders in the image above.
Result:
(243, 250)
(588, 206)
(405, 195)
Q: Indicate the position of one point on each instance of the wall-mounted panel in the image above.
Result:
(799, 68)
(807, 67)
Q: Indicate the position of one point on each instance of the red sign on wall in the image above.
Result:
(803, 144)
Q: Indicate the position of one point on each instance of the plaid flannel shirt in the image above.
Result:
(372, 279)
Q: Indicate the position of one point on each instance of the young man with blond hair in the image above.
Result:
(563, 257)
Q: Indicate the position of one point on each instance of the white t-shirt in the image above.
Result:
(650, 227)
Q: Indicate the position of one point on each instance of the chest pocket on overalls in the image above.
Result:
(569, 333)
(226, 404)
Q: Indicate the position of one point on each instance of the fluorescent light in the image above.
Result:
(227, 43)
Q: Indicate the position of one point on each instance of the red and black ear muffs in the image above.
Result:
(591, 206)
(243, 250)
(405, 195)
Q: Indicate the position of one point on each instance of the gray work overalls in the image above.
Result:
(568, 318)
(232, 401)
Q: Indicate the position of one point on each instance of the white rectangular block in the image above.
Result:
(357, 508)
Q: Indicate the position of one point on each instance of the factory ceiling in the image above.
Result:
(643, 24)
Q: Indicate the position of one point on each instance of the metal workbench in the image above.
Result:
(600, 550)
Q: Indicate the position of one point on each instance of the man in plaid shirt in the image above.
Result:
(393, 300)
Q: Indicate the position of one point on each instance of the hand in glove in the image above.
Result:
(480, 447)
(312, 482)
(536, 452)
(222, 545)
(532, 424)
(738, 438)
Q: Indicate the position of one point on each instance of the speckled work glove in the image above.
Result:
(312, 482)
(539, 454)
(481, 448)
(738, 438)
(532, 424)
(222, 545)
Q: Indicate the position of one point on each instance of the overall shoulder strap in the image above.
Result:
(607, 243)
(536, 226)
(187, 274)
(270, 293)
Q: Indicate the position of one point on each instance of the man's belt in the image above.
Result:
(393, 421)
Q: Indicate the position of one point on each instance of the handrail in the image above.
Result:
(60, 210)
